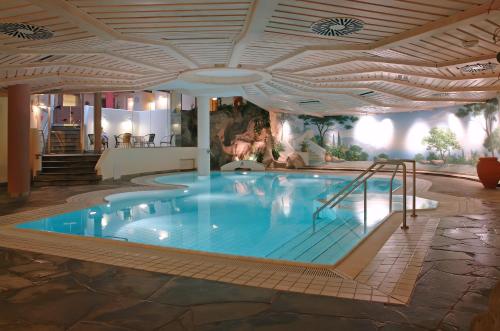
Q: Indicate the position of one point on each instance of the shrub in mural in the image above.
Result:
(442, 141)
(327, 123)
(488, 111)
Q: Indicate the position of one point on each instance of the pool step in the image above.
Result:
(310, 248)
(332, 244)
(310, 236)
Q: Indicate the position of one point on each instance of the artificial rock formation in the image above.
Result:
(295, 161)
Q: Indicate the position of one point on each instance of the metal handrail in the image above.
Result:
(362, 179)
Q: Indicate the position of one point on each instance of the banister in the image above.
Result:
(362, 179)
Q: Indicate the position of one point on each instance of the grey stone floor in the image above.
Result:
(39, 292)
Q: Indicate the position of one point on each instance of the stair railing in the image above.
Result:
(362, 179)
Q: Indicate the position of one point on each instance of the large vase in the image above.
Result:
(488, 171)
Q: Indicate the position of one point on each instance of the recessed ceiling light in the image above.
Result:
(337, 26)
(478, 67)
(25, 31)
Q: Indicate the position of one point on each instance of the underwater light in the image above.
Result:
(316, 176)
(244, 172)
(186, 191)
(92, 213)
(143, 205)
(214, 226)
(163, 235)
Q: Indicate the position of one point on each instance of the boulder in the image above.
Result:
(295, 161)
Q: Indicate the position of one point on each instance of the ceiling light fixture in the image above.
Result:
(25, 31)
(337, 26)
(478, 67)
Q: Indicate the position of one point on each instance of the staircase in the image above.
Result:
(67, 169)
(316, 153)
(65, 140)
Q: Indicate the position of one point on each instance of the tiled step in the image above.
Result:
(332, 239)
(66, 176)
(65, 183)
(75, 157)
(68, 169)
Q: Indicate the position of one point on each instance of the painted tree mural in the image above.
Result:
(488, 110)
(443, 141)
(327, 123)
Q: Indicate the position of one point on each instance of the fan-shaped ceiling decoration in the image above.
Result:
(337, 26)
(25, 31)
(478, 67)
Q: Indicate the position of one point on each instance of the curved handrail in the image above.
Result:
(362, 180)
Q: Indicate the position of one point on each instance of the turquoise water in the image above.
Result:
(266, 215)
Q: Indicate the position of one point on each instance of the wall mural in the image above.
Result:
(449, 139)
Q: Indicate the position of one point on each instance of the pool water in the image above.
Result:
(265, 215)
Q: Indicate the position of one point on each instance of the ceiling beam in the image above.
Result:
(90, 24)
(461, 18)
(325, 78)
(321, 84)
(382, 60)
(260, 14)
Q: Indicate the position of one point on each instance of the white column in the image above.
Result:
(203, 136)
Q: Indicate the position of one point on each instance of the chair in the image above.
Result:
(104, 140)
(123, 139)
(127, 139)
(149, 139)
(118, 140)
(91, 139)
(167, 140)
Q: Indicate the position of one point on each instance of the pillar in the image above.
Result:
(203, 136)
(97, 122)
(18, 140)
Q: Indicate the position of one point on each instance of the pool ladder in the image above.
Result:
(362, 179)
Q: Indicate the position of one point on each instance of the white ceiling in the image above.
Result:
(406, 57)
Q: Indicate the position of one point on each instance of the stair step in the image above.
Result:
(65, 183)
(309, 235)
(68, 164)
(76, 157)
(75, 170)
(64, 176)
(328, 241)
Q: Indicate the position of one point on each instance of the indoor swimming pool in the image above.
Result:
(252, 214)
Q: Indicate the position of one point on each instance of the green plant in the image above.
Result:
(276, 154)
(279, 147)
(259, 157)
(443, 141)
(432, 156)
(383, 156)
(355, 153)
(325, 123)
(419, 157)
(492, 142)
(303, 146)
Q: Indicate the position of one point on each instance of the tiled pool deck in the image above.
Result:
(462, 265)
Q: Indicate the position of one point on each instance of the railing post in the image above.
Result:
(414, 214)
(404, 226)
(365, 209)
